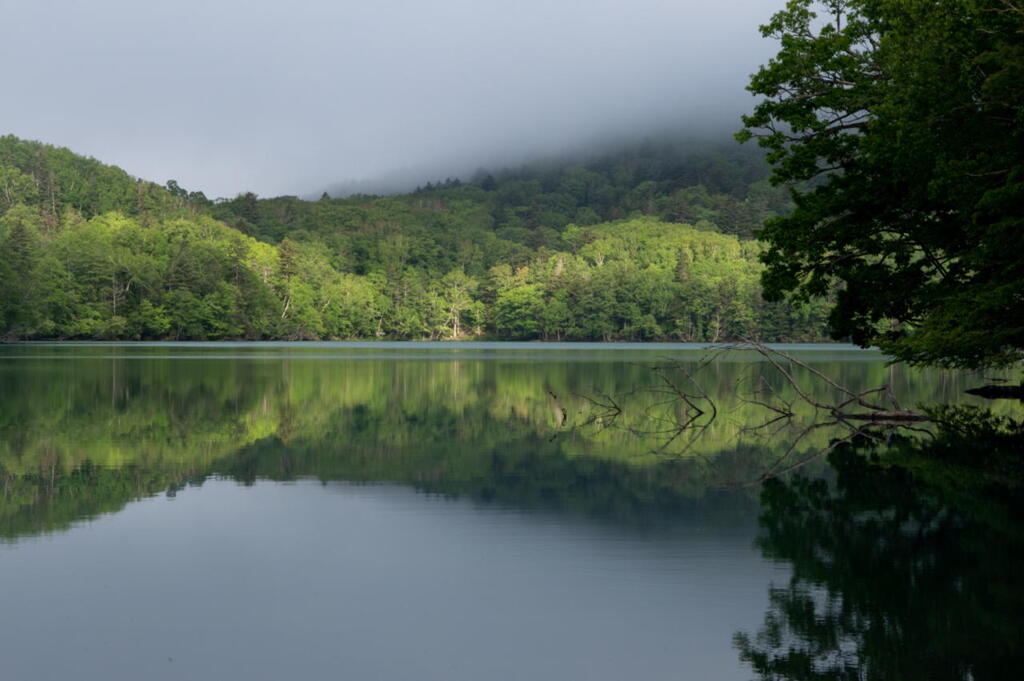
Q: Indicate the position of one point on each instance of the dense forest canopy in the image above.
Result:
(643, 242)
(905, 122)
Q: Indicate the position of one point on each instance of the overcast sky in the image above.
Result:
(288, 97)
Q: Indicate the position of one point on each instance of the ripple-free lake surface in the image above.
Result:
(398, 511)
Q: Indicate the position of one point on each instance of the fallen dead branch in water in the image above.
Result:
(882, 407)
(878, 416)
(788, 391)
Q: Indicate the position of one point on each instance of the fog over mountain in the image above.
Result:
(288, 98)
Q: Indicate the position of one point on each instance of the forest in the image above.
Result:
(651, 241)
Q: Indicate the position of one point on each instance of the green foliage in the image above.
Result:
(83, 430)
(15, 188)
(905, 118)
(907, 566)
(53, 179)
(92, 253)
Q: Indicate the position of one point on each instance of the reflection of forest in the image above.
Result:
(80, 436)
(907, 567)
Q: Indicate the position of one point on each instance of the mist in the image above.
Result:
(293, 98)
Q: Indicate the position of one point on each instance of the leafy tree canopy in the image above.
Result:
(903, 124)
(641, 244)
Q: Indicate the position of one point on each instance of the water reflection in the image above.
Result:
(904, 546)
(107, 424)
(906, 565)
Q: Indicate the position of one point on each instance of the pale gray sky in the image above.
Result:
(287, 97)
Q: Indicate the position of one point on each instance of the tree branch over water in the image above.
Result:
(798, 399)
(888, 410)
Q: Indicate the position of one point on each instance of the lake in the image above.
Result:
(497, 511)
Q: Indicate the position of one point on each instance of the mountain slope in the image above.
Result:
(89, 252)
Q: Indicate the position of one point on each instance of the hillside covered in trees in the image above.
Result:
(645, 242)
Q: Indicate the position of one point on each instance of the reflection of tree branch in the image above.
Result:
(611, 410)
(694, 412)
(775, 471)
(700, 410)
(786, 412)
(697, 410)
(877, 412)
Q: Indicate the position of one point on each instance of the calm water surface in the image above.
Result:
(484, 511)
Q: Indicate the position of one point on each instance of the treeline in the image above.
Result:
(60, 184)
(89, 252)
(715, 188)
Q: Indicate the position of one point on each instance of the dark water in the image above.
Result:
(522, 511)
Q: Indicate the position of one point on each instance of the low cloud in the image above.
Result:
(291, 97)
